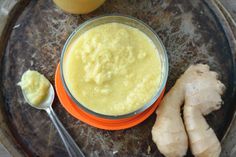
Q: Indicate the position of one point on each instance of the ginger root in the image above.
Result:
(200, 91)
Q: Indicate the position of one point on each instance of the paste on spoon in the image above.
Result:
(35, 87)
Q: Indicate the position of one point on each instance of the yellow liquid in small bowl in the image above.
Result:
(78, 6)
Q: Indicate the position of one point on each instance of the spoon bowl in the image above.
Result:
(46, 103)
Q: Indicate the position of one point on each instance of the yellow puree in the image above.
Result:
(35, 86)
(112, 69)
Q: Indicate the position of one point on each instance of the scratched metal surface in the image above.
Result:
(188, 29)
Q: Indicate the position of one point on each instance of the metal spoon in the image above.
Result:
(72, 148)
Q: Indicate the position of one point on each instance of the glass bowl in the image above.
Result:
(130, 21)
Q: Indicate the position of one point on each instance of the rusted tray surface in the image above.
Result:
(189, 30)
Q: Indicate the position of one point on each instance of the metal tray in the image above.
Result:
(192, 32)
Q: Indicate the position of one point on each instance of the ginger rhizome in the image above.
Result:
(200, 91)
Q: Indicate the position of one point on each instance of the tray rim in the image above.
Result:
(228, 32)
(13, 145)
(7, 138)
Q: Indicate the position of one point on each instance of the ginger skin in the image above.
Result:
(168, 131)
(201, 92)
(202, 96)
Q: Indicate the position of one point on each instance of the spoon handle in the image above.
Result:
(72, 148)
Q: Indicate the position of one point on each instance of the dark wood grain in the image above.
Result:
(188, 29)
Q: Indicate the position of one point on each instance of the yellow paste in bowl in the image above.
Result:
(112, 69)
(35, 87)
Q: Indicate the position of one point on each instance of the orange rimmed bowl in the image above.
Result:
(131, 118)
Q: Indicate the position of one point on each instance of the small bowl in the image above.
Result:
(130, 21)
